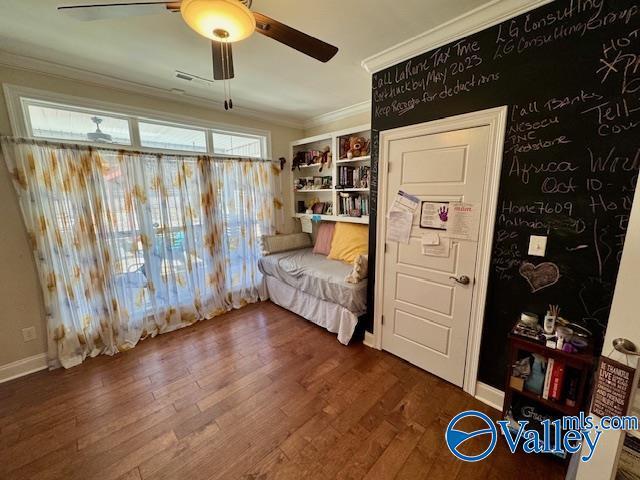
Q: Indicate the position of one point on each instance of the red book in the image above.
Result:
(557, 381)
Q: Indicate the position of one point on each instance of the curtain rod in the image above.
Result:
(89, 147)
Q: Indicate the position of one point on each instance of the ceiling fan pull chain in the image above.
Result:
(228, 75)
(224, 79)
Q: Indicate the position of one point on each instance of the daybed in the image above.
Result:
(312, 285)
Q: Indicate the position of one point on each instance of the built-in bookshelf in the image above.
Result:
(337, 190)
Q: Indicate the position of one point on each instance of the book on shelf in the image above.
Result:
(557, 381)
(554, 381)
(354, 177)
(572, 380)
(353, 205)
(547, 379)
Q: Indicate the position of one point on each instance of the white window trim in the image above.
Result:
(15, 96)
(135, 125)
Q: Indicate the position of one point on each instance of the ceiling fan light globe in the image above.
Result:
(207, 16)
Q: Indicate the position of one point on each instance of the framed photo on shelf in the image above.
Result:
(318, 208)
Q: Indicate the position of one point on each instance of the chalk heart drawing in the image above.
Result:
(540, 276)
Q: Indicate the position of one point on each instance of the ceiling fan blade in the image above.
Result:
(222, 60)
(104, 11)
(294, 38)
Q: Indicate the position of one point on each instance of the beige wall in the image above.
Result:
(20, 297)
(342, 124)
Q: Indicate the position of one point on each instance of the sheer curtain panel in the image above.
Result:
(131, 244)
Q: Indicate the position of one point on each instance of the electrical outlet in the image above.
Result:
(29, 334)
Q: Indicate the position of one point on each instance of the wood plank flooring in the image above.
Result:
(256, 394)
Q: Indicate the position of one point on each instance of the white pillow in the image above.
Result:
(282, 243)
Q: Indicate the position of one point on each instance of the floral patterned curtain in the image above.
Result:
(129, 245)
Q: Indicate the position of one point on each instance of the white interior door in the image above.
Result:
(426, 312)
(623, 323)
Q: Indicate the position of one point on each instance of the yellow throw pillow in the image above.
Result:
(349, 241)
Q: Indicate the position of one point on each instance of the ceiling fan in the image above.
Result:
(222, 21)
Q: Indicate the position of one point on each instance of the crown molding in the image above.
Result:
(485, 16)
(330, 117)
(45, 67)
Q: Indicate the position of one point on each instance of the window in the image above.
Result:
(167, 137)
(237, 145)
(60, 123)
(57, 117)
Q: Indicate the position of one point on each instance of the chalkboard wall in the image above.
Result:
(570, 74)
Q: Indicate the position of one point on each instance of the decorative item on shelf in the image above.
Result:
(579, 343)
(303, 183)
(519, 373)
(535, 381)
(531, 333)
(306, 158)
(325, 158)
(298, 159)
(318, 208)
(322, 182)
(564, 335)
(364, 179)
(310, 203)
(550, 319)
(301, 206)
(357, 146)
(529, 319)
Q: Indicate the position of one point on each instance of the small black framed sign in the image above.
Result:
(612, 391)
(434, 215)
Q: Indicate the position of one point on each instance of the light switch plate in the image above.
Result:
(537, 246)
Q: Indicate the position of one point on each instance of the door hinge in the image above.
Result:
(385, 247)
(382, 319)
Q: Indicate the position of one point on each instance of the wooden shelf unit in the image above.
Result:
(583, 362)
(331, 139)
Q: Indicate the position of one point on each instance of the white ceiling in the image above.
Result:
(270, 77)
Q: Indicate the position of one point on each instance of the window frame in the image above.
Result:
(18, 99)
(207, 133)
(235, 134)
(27, 102)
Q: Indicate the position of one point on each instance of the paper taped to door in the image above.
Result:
(431, 249)
(399, 226)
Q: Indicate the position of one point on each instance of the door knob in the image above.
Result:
(626, 346)
(462, 279)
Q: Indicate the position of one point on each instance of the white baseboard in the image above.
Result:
(369, 339)
(23, 367)
(489, 395)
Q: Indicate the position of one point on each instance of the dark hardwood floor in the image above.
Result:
(256, 394)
